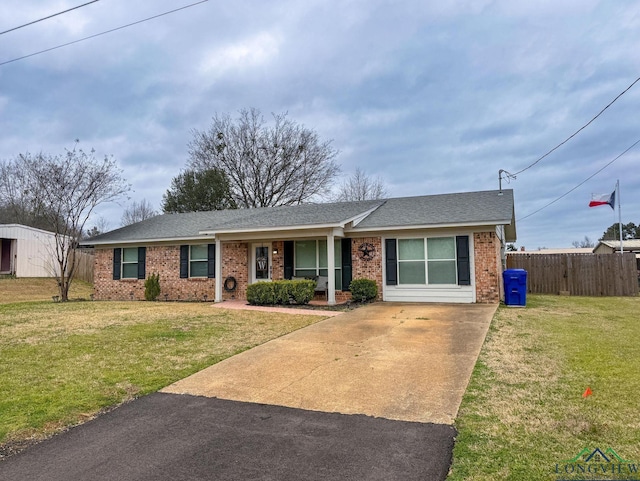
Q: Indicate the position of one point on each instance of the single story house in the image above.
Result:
(26, 251)
(434, 248)
(613, 246)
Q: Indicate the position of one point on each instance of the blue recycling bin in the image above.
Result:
(515, 287)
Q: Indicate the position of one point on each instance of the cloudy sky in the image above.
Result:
(432, 97)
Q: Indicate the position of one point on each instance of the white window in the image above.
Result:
(198, 260)
(311, 259)
(441, 260)
(130, 263)
(427, 261)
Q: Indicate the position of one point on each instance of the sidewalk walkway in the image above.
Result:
(241, 304)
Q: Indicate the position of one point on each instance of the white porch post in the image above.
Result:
(331, 256)
(219, 280)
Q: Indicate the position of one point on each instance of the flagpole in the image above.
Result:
(619, 214)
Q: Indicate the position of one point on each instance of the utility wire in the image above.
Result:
(50, 16)
(103, 33)
(583, 182)
(577, 131)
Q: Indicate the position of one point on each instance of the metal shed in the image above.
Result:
(26, 251)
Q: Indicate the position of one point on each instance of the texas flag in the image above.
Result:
(603, 199)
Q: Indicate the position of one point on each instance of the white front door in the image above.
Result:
(260, 262)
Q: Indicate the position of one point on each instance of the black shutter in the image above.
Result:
(211, 261)
(391, 262)
(184, 262)
(288, 259)
(464, 261)
(142, 261)
(346, 264)
(117, 263)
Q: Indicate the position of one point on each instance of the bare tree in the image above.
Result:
(69, 187)
(137, 211)
(583, 243)
(100, 226)
(281, 164)
(359, 186)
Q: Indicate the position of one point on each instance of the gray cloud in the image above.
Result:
(430, 96)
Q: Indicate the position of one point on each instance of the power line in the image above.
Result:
(50, 16)
(577, 131)
(103, 33)
(583, 182)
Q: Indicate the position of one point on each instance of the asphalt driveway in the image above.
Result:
(408, 362)
(164, 437)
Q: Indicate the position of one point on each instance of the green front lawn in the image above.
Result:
(524, 417)
(61, 364)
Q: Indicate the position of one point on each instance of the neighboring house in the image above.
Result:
(612, 246)
(436, 248)
(26, 251)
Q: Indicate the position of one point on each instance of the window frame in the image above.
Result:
(204, 261)
(337, 260)
(129, 263)
(426, 260)
(453, 260)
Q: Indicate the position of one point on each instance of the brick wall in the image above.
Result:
(487, 267)
(235, 263)
(163, 260)
(367, 269)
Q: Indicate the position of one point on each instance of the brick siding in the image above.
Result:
(367, 269)
(235, 263)
(165, 260)
(488, 268)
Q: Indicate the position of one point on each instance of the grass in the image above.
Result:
(63, 363)
(523, 411)
(39, 289)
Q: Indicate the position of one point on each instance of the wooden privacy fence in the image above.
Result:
(578, 274)
(84, 266)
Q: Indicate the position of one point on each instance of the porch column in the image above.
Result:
(219, 280)
(331, 261)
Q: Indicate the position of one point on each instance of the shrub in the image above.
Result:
(302, 291)
(260, 293)
(363, 290)
(281, 292)
(152, 287)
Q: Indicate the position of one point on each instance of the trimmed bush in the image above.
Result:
(302, 291)
(363, 290)
(281, 292)
(260, 293)
(152, 287)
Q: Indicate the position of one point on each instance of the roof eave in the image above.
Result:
(432, 226)
(145, 241)
(273, 229)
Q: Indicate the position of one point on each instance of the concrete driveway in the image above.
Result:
(407, 362)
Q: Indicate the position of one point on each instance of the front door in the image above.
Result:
(261, 262)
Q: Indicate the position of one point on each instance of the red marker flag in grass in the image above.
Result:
(603, 199)
(587, 392)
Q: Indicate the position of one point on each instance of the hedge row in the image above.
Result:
(281, 292)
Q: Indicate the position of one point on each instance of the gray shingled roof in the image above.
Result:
(488, 207)
(192, 224)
